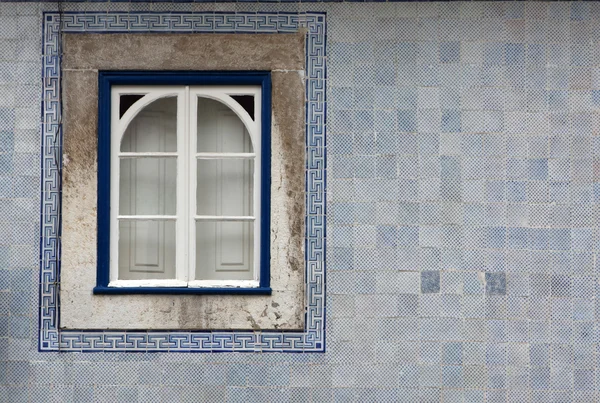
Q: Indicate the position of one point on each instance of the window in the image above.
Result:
(183, 182)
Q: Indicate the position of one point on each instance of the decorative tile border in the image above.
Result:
(312, 339)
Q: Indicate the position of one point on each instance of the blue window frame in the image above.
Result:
(107, 81)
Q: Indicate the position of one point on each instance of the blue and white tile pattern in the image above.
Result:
(312, 339)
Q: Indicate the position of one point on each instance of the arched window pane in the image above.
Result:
(220, 129)
(153, 129)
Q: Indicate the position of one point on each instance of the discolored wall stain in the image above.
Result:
(288, 98)
(80, 137)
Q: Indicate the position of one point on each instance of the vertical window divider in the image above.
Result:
(192, 101)
(182, 270)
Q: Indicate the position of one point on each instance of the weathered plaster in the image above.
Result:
(84, 56)
(184, 51)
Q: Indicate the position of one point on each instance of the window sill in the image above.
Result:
(99, 290)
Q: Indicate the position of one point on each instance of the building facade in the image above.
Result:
(434, 182)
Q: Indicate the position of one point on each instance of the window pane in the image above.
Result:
(225, 187)
(246, 102)
(154, 128)
(224, 250)
(146, 250)
(148, 186)
(125, 102)
(220, 129)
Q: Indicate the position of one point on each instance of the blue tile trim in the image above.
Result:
(312, 338)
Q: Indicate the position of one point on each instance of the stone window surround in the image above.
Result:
(84, 56)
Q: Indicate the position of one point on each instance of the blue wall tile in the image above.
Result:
(430, 282)
(6, 141)
(407, 121)
(580, 11)
(516, 169)
(496, 238)
(7, 118)
(538, 238)
(536, 54)
(516, 192)
(6, 163)
(493, 54)
(408, 237)
(538, 169)
(451, 121)
(515, 53)
(449, 52)
(495, 283)
(559, 239)
(452, 376)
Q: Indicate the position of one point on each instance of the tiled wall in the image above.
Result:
(463, 188)
(463, 160)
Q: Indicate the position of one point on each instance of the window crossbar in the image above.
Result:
(225, 155)
(147, 217)
(223, 218)
(147, 154)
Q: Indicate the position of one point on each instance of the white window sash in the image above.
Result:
(253, 127)
(187, 157)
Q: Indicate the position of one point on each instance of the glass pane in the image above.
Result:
(224, 250)
(246, 102)
(225, 187)
(148, 186)
(125, 102)
(154, 128)
(220, 130)
(146, 250)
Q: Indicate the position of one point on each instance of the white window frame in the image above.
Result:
(185, 218)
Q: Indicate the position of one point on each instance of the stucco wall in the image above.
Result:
(84, 55)
(462, 232)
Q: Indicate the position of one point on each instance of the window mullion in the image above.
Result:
(192, 119)
(182, 170)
